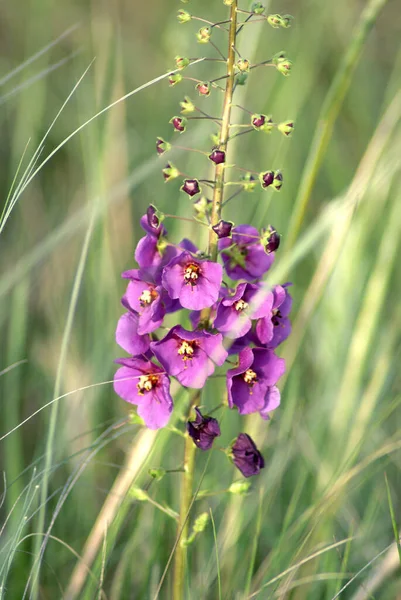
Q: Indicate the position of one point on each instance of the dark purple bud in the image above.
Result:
(246, 456)
(191, 187)
(203, 430)
(170, 172)
(218, 157)
(203, 88)
(179, 124)
(266, 178)
(271, 239)
(278, 181)
(223, 228)
(262, 122)
(258, 120)
(162, 146)
(181, 62)
(174, 78)
(153, 219)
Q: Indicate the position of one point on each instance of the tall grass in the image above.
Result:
(316, 523)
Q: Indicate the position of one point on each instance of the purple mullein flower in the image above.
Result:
(203, 430)
(274, 328)
(190, 356)
(143, 383)
(243, 255)
(128, 337)
(235, 312)
(246, 456)
(195, 282)
(251, 385)
(146, 299)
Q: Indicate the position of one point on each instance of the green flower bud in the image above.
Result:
(137, 494)
(162, 146)
(215, 137)
(174, 78)
(187, 106)
(201, 522)
(181, 62)
(243, 65)
(203, 207)
(286, 21)
(274, 21)
(157, 474)
(241, 78)
(203, 88)
(204, 34)
(239, 488)
(262, 123)
(183, 16)
(284, 67)
(170, 172)
(248, 182)
(279, 57)
(257, 8)
(286, 128)
(277, 181)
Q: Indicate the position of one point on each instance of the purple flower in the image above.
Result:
(246, 456)
(127, 335)
(190, 355)
(251, 385)
(203, 430)
(143, 383)
(191, 187)
(271, 239)
(274, 328)
(243, 255)
(235, 312)
(266, 178)
(218, 157)
(223, 228)
(146, 299)
(195, 282)
(150, 222)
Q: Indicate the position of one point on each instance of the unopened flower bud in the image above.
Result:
(266, 179)
(286, 21)
(191, 187)
(183, 16)
(228, 2)
(284, 67)
(174, 78)
(270, 239)
(262, 122)
(170, 172)
(248, 182)
(153, 218)
(274, 21)
(239, 488)
(138, 494)
(179, 124)
(287, 127)
(243, 65)
(201, 522)
(241, 78)
(157, 474)
(218, 157)
(215, 137)
(279, 57)
(203, 88)
(162, 146)
(203, 207)
(278, 181)
(257, 8)
(223, 228)
(181, 62)
(187, 106)
(204, 34)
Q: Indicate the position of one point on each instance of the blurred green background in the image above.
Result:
(74, 229)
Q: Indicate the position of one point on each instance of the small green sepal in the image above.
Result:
(183, 16)
(204, 34)
(187, 106)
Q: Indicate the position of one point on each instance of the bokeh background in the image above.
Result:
(319, 515)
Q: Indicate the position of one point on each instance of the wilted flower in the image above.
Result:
(190, 356)
(246, 456)
(203, 430)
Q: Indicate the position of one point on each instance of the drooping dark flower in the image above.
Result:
(195, 282)
(243, 255)
(270, 239)
(191, 187)
(151, 223)
(203, 430)
(145, 384)
(246, 456)
(218, 157)
(223, 228)
(235, 311)
(251, 385)
(274, 328)
(190, 356)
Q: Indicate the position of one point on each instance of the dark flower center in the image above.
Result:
(147, 297)
(191, 274)
(276, 316)
(250, 377)
(147, 383)
(186, 350)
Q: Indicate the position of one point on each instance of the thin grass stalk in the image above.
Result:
(328, 114)
(218, 193)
